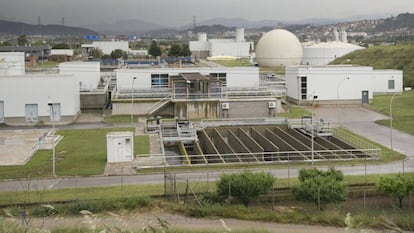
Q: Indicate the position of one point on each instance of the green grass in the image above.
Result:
(80, 153)
(121, 119)
(402, 110)
(233, 63)
(399, 57)
(294, 112)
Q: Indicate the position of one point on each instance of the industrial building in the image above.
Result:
(38, 99)
(343, 84)
(196, 93)
(106, 46)
(238, 47)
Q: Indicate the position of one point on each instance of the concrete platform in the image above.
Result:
(18, 146)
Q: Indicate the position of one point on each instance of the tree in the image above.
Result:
(117, 53)
(95, 53)
(61, 46)
(175, 51)
(320, 187)
(396, 186)
(22, 40)
(154, 49)
(186, 50)
(244, 186)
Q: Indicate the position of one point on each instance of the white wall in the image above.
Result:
(66, 52)
(237, 77)
(199, 46)
(17, 91)
(332, 83)
(87, 74)
(108, 46)
(230, 48)
(12, 63)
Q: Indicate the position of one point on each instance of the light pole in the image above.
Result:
(337, 100)
(132, 100)
(52, 114)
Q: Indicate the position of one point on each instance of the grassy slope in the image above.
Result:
(399, 57)
(402, 110)
(80, 153)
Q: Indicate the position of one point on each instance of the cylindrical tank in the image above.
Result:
(240, 35)
(202, 36)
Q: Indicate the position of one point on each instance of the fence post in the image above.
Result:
(319, 198)
(165, 183)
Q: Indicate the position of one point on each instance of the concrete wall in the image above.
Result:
(93, 100)
(87, 74)
(12, 63)
(230, 48)
(17, 91)
(196, 109)
(249, 108)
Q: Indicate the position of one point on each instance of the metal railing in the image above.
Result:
(353, 140)
(241, 121)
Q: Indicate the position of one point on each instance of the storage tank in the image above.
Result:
(278, 48)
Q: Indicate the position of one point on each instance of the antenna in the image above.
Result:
(63, 21)
(38, 20)
(194, 22)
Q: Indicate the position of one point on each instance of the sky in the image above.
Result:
(180, 12)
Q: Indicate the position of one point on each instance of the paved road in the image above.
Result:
(359, 120)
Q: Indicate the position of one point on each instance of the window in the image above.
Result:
(159, 80)
(391, 84)
(220, 76)
(303, 87)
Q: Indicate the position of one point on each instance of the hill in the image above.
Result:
(17, 28)
(399, 57)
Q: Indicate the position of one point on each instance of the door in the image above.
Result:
(54, 112)
(1, 111)
(365, 97)
(31, 113)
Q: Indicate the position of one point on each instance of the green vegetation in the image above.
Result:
(399, 57)
(232, 63)
(295, 112)
(80, 153)
(121, 119)
(244, 186)
(402, 110)
(397, 186)
(320, 187)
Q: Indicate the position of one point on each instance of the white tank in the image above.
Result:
(202, 36)
(240, 35)
(278, 48)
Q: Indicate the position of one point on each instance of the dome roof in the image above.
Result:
(278, 48)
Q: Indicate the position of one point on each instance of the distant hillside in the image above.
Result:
(132, 26)
(213, 29)
(18, 28)
(400, 57)
(401, 21)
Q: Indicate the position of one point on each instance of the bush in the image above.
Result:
(320, 187)
(244, 186)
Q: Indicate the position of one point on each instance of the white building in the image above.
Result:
(237, 47)
(232, 77)
(87, 74)
(347, 84)
(107, 46)
(59, 52)
(12, 63)
(31, 99)
(119, 147)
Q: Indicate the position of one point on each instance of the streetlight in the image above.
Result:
(337, 100)
(52, 114)
(314, 97)
(132, 100)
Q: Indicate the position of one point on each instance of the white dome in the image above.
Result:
(278, 48)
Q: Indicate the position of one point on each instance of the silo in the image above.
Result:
(202, 36)
(240, 35)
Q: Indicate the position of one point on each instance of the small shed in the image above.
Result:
(120, 146)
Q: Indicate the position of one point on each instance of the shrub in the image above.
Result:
(244, 186)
